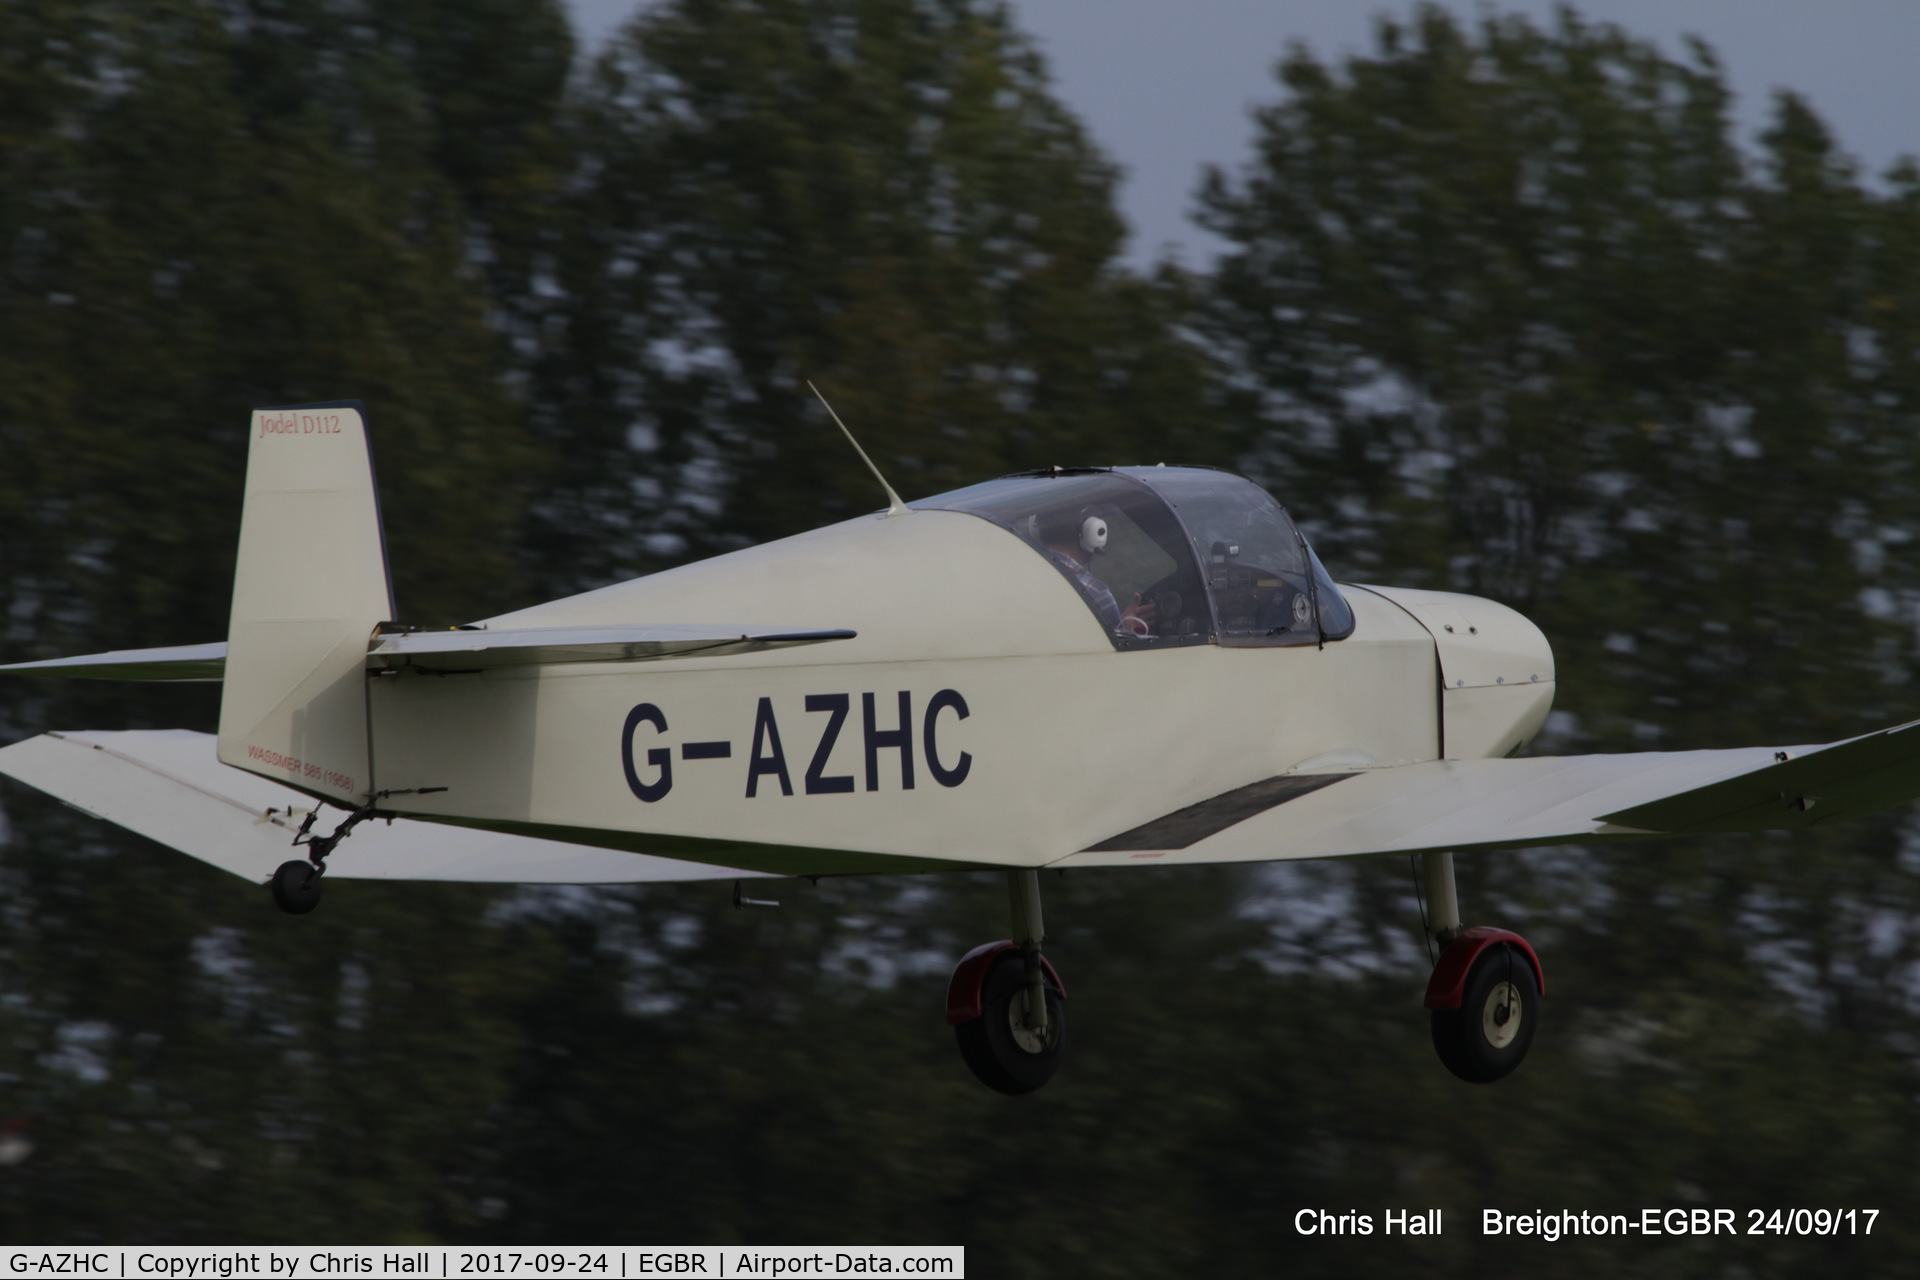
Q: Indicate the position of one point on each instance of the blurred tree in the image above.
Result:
(207, 207)
(1506, 311)
(202, 217)
(1516, 310)
(1526, 322)
(878, 195)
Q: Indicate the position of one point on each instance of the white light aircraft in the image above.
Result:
(1088, 667)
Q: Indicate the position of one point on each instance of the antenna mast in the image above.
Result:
(895, 507)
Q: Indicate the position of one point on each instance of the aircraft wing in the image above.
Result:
(458, 649)
(168, 786)
(1468, 804)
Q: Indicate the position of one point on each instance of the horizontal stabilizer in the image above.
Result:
(168, 785)
(540, 646)
(177, 662)
(461, 649)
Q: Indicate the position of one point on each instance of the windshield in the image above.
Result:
(1265, 583)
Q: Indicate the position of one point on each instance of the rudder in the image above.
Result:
(310, 586)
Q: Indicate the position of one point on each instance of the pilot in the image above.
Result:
(1072, 540)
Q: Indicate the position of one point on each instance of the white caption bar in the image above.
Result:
(692, 1262)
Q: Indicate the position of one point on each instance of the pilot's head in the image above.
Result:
(1093, 535)
(1081, 533)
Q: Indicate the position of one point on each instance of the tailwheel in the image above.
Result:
(1488, 1035)
(296, 887)
(1007, 1047)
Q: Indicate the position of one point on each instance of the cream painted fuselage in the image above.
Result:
(980, 716)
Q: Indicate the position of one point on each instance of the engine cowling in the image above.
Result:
(1495, 668)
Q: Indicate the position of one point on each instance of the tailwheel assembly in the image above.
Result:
(295, 885)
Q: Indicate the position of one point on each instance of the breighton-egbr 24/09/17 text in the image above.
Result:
(1549, 1225)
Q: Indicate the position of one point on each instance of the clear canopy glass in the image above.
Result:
(1168, 556)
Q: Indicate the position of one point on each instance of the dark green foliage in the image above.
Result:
(1526, 323)
(1506, 310)
(877, 195)
(203, 209)
(1515, 310)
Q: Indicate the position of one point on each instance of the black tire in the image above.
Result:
(990, 1044)
(296, 887)
(1480, 1042)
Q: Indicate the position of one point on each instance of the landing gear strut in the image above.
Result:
(1006, 1003)
(1485, 990)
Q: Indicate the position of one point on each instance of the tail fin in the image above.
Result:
(309, 588)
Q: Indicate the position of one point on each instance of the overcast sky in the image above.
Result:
(1165, 85)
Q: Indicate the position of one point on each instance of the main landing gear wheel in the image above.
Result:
(296, 887)
(1006, 1004)
(1001, 1046)
(1489, 1034)
(1485, 989)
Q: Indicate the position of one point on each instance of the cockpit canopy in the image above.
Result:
(1168, 555)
